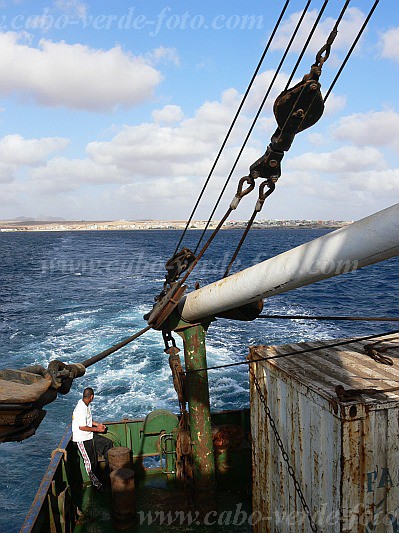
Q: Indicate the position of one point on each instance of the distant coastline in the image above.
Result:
(123, 225)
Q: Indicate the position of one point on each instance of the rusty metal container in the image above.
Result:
(344, 452)
(123, 498)
(119, 457)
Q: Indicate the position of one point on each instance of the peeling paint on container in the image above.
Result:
(345, 454)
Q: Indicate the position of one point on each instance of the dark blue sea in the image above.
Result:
(70, 295)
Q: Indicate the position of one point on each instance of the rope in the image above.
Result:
(253, 124)
(233, 123)
(348, 318)
(59, 450)
(296, 352)
(352, 48)
(116, 347)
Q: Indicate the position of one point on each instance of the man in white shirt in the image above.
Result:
(85, 433)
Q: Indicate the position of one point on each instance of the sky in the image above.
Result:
(116, 110)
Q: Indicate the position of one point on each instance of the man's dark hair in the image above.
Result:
(88, 392)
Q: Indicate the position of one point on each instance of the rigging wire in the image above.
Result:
(321, 59)
(316, 23)
(295, 352)
(233, 123)
(112, 349)
(262, 197)
(325, 49)
(352, 48)
(253, 123)
(333, 318)
(121, 344)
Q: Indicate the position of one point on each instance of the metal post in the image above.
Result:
(199, 414)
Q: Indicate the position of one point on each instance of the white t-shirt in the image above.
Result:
(81, 417)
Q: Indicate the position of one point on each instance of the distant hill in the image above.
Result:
(39, 218)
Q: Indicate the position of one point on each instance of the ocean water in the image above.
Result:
(70, 295)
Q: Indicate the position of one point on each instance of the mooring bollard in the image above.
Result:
(120, 457)
(123, 498)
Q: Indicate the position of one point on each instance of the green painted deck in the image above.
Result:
(66, 501)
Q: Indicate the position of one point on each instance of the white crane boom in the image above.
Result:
(367, 241)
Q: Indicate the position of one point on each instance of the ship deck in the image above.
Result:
(158, 507)
(67, 502)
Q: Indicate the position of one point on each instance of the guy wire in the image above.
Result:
(253, 125)
(233, 123)
(352, 48)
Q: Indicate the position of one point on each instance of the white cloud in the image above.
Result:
(317, 139)
(154, 150)
(390, 44)
(350, 191)
(347, 31)
(7, 173)
(71, 7)
(334, 104)
(153, 160)
(18, 151)
(163, 54)
(345, 159)
(74, 76)
(376, 128)
(61, 175)
(170, 114)
(157, 190)
(381, 184)
(259, 88)
(140, 169)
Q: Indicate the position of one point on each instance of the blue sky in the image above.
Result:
(112, 110)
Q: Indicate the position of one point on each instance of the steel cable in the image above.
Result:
(320, 59)
(332, 318)
(233, 123)
(326, 47)
(295, 352)
(351, 49)
(305, 46)
(112, 349)
(253, 123)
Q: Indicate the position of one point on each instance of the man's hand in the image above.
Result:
(101, 428)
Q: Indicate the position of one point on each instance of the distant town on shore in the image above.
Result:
(56, 224)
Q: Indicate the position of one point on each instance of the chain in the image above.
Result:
(284, 454)
(377, 353)
(184, 460)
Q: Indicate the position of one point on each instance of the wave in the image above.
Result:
(55, 315)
